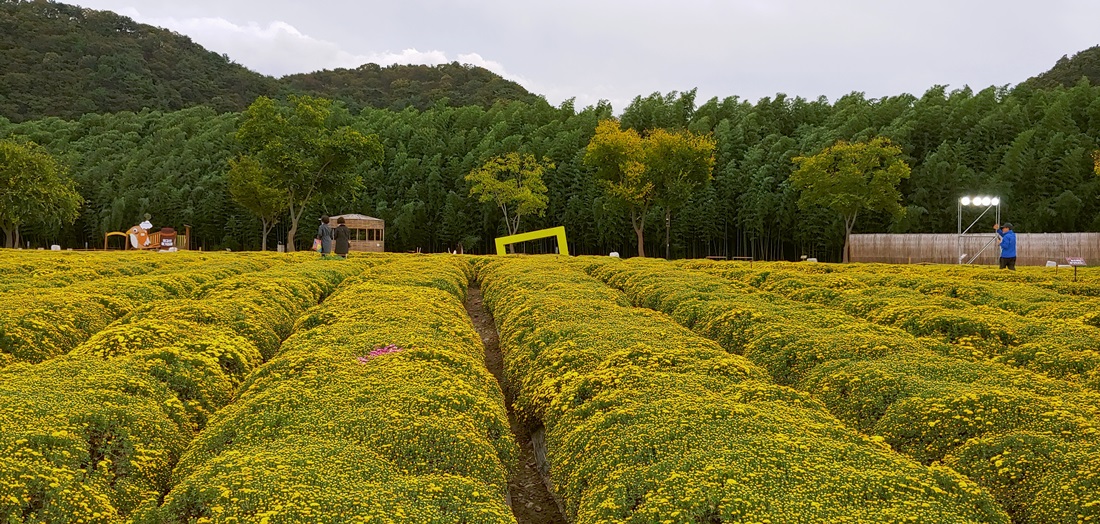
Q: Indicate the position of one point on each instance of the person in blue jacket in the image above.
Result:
(1008, 245)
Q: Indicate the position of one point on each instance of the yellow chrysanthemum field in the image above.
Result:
(273, 388)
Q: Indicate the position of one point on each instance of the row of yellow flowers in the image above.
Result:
(1030, 440)
(647, 422)
(1031, 291)
(1027, 298)
(1058, 347)
(40, 269)
(37, 324)
(1057, 280)
(234, 324)
(378, 408)
(93, 436)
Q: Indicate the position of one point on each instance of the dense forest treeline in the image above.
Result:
(1032, 147)
(66, 61)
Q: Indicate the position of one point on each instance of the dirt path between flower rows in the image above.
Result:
(531, 501)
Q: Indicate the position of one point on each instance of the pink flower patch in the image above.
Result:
(379, 351)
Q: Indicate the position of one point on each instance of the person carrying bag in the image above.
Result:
(323, 241)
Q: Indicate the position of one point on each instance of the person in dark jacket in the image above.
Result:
(324, 234)
(1008, 245)
(342, 236)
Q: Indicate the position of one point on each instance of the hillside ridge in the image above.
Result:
(66, 61)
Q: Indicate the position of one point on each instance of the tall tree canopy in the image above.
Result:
(850, 178)
(513, 182)
(34, 189)
(680, 163)
(618, 157)
(663, 168)
(254, 188)
(305, 151)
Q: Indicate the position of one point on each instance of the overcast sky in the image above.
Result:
(616, 50)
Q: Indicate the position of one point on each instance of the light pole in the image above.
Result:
(986, 202)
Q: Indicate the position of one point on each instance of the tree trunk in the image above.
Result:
(638, 221)
(9, 237)
(290, 236)
(668, 225)
(509, 248)
(294, 217)
(848, 223)
(264, 230)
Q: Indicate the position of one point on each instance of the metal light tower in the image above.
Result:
(978, 201)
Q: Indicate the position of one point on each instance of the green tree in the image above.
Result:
(307, 155)
(251, 186)
(850, 178)
(680, 163)
(514, 183)
(619, 158)
(34, 189)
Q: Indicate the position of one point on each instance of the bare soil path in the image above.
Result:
(531, 501)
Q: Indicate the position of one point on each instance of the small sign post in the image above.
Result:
(1075, 262)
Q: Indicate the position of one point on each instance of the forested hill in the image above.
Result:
(66, 61)
(400, 86)
(63, 60)
(1068, 71)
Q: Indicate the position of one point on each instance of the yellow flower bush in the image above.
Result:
(325, 432)
(50, 269)
(93, 436)
(84, 439)
(911, 392)
(36, 324)
(1019, 323)
(212, 387)
(648, 422)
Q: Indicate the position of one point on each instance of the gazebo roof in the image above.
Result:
(355, 216)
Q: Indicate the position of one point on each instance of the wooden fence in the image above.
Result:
(1032, 249)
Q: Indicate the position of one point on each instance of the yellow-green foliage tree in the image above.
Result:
(34, 188)
(680, 162)
(850, 178)
(663, 168)
(619, 158)
(514, 183)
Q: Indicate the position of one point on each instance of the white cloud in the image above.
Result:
(279, 48)
(496, 67)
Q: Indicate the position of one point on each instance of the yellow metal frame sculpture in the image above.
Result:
(563, 247)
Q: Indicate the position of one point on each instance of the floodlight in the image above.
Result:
(990, 203)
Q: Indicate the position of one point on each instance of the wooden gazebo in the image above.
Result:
(367, 233)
